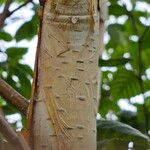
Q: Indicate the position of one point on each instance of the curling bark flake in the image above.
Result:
(67, 84)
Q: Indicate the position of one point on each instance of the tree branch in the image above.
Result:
(10, 13)
(6, 13)
(3, 15)
(12, 96)
(17, 141)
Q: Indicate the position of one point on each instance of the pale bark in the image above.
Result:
(67, 90)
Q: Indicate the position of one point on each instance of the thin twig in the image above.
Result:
(3, 15)
(16, 140)
(12, 96)
(13, 11)
(6, 13)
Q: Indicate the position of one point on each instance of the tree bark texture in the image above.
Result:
(67, 88)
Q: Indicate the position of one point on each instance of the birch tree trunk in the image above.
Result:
(67, 89)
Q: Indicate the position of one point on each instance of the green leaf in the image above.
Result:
(24, 81)
(117, 10)
(125, 84)
(116, 33)
(106, 105)
(28, 30)
(118, 145)
(16, 52)
(2, 1)
(113, 62)
(10, 109)
(25, 89)
(146, 85)
(5, 36)
(147, 103)
(141, 124)
(145, 42)
(133, 47)
(26, 69)
(14, 55)
(113, 130)
(20, 1)
(2, 102)
(145, 59)
(128, 117)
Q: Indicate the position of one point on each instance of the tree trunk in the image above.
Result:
(67, 87)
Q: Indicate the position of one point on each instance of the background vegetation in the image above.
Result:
(125, 88)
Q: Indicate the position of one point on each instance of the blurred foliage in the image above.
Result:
(119, 131)
(126, 68)
(12, 68)
(125, 65)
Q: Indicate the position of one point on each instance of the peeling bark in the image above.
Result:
(67, 90)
